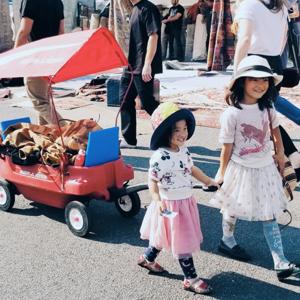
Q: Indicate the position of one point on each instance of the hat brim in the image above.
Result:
(256, 74)
(159, 132)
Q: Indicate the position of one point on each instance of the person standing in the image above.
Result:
(262, 30)
(170, 184)
(40, 19)
(173, 21)
(144, 57)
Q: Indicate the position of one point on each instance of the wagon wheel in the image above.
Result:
(128, 205)
(77, 218)
(7, 196)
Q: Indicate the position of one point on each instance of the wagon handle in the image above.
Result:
(144, 186)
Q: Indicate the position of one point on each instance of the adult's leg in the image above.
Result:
(208, 25)
(145, 91)
(164, 45)
(178, 45)
(37, 89)
(128, 113)
(288, 109)
(285, 56)
(171, 46)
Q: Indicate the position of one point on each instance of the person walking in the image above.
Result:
(145, 61)
(173, 30)
(251, 184)
(172, 219)
(40, 19)
(262, 30)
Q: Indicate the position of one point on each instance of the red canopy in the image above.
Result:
(64, 56)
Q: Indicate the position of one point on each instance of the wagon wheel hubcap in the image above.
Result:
(76, 219)
(3, 196)
(125, 203)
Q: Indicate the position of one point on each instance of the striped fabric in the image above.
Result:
(119, 15)
(221, 42)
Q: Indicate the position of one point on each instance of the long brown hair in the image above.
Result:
(237, 94)
(274, 5)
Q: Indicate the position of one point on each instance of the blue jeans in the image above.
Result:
(288, 109)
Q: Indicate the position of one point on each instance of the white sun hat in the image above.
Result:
(254, 66)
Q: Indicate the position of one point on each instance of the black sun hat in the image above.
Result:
(164, 117)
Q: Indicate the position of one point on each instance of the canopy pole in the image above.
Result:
(125, 95)
(64, 160)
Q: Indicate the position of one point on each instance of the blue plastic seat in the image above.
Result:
(102, 147)
(5, 124)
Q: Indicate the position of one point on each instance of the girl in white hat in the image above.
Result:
(170, 184)
(251, 184)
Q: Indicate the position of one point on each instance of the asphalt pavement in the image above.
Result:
(42, 259)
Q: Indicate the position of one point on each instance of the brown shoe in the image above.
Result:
(197, 285)
(151, 266)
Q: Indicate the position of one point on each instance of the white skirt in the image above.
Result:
(253, 194)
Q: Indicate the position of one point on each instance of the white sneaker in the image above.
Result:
(124, 144)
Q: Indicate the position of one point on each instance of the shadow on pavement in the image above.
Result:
(234, 286)
(249, 235)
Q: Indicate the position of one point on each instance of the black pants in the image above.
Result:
(128, 113)
(288, 144)
(176, 52)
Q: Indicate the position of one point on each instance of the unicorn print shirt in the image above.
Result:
(172, 171)
(248, 130)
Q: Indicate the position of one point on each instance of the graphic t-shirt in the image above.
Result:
(248, 130)
(172, 171)
(173, 11)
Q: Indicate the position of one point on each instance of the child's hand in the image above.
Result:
(220, 181)
(214, 183)
(162, 206)
(280, 161)
(212, 186)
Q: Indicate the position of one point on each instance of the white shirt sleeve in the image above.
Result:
(228, 126)
(245, 11)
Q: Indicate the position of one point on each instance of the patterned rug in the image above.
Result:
(208, 104)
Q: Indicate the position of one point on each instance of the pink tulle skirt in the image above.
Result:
(181, 235)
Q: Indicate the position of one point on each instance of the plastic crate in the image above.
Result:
(113, 87)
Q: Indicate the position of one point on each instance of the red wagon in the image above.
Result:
(73, 192)
(61, 58)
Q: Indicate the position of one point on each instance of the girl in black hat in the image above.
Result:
(172, 219)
